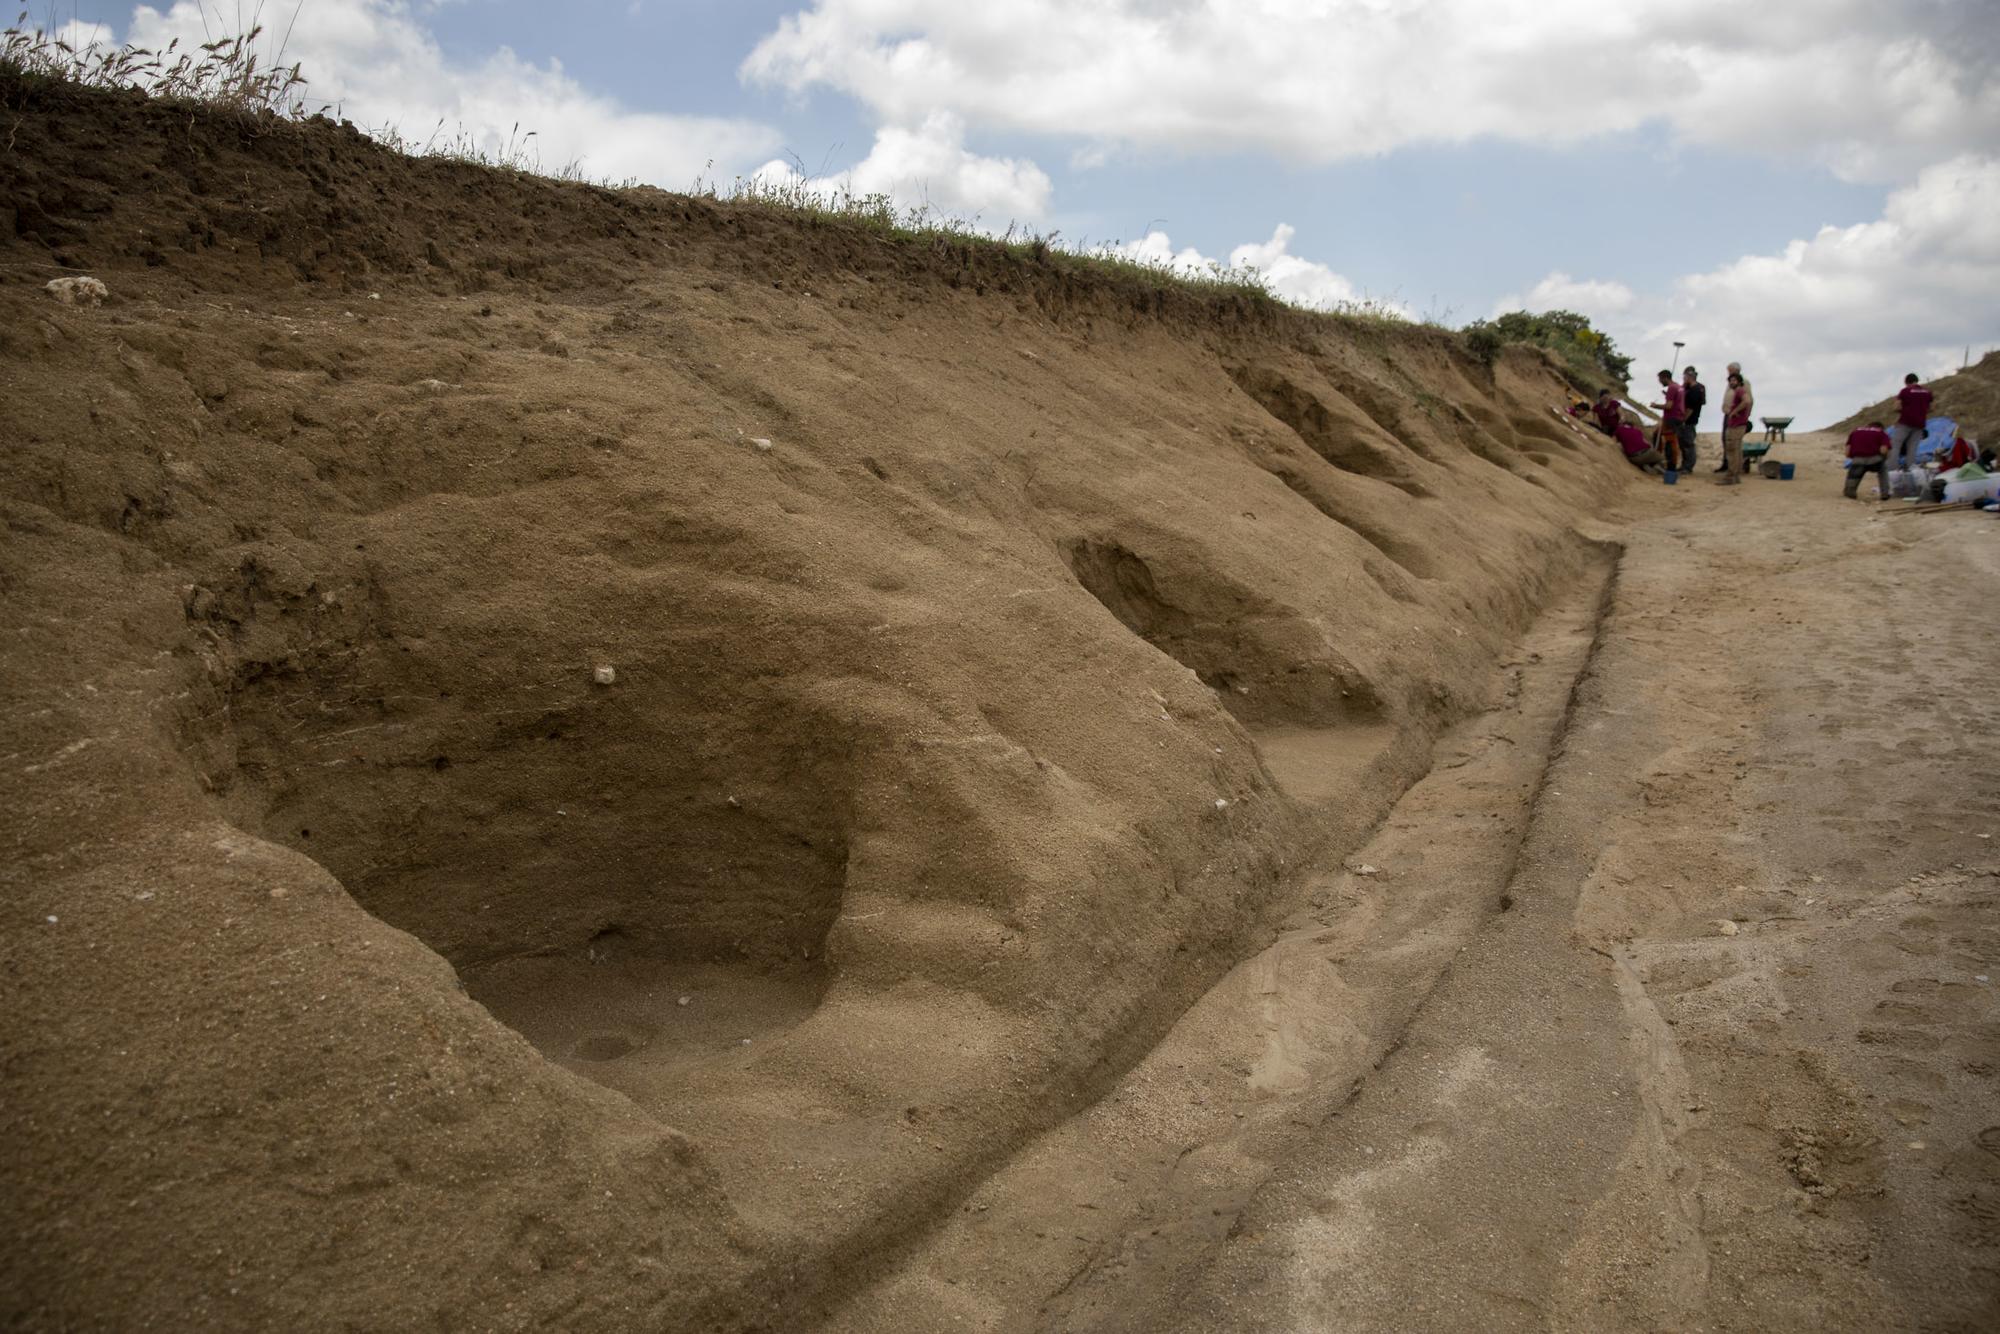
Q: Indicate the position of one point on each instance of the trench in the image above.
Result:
(568, 858)
(1108, 1219)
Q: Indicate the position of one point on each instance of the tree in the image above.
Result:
(1588, 354)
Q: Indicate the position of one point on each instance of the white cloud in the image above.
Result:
(1832, 322)
(1869, 88)
(1155, 247)
(383, 69)
(929, 167)
(1595, 297)
(1303, 282)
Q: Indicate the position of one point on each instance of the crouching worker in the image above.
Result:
(1633, 441)
(1606, 411)
(1867, 451)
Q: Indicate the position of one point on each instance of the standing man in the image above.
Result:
(1736, 406)
(1913, 415)
(1672, 412)
(1606, 411)
(1696, 395)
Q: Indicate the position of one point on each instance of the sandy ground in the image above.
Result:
(1104, 807)
(1705, 1038)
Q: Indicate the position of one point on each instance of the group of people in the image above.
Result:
(1672, 446)
(1872, 449)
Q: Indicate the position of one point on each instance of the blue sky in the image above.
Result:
(1816, 194)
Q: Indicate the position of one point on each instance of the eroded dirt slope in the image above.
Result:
(1970, 397)
(992, 645)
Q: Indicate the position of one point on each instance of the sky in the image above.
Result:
(1809, 187)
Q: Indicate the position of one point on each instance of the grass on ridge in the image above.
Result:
(880, 213)
(226, 75)
(229, 76)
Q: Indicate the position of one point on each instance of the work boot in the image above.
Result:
(1853, 488)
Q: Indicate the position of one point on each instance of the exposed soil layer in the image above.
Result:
(1665, 1001)
(599, 759)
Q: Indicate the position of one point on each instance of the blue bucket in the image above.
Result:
(1785, 471)
(1672, 478)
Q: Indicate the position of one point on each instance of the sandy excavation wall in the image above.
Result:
(990, 643)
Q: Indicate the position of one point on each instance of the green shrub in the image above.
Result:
(1587, 356)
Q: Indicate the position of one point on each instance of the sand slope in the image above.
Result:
(1970, 397)
(996, 650)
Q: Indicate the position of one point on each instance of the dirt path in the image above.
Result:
(1665, 1002)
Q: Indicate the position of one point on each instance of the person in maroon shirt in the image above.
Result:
(1606, 411)
(1913, 414)
(1867, 451)
(1633, 441)
(1672, 413)
(1736, 405)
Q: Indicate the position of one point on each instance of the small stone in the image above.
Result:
(1221, 803)
(374, 296)
(605, 676)
(1725, 927)
(760, 442)
(52, 919)
(1366, 869)
(684, 1000)
(280, 892)
(1916, 1144)
(746, 1042)
(77, 291)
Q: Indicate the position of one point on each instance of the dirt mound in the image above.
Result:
(1970, 397)
(597, 758)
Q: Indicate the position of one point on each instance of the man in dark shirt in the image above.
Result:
(1694, 393)
(1913, 414)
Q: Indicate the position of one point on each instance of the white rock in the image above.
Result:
(605, 676)
(1725, 927)
(760, 442)
(1366, 869)
(684, 1000)
(77, 291)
